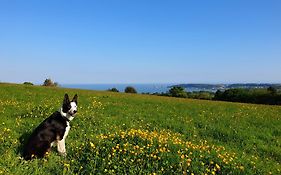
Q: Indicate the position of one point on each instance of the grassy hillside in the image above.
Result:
(116, 133)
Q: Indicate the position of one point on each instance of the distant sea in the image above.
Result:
(141, 88)
(159, 88)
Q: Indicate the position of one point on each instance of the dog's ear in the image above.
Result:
(75, 98)
(66, 99)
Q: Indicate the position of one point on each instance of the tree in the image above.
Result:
(272, 90)
(177, 91)
(113, 90)
(218, 95)
(28, 83)
(130, 89)
(49, 82)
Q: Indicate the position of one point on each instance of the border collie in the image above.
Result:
(52, 130)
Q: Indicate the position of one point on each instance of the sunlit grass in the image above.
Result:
(115, 133)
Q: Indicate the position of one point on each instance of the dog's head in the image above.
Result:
(69, 108)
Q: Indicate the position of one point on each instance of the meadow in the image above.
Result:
(118, 133)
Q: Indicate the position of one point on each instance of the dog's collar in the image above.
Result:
(66, 118)
(66, 115)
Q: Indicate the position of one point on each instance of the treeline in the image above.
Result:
(269, 96)
(178, 91)
(259, 96)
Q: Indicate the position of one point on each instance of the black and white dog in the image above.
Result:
(52, 130)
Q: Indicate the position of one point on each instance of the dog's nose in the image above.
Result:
(74, 111)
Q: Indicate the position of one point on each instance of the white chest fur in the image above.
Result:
(66, 130)
(61, 143)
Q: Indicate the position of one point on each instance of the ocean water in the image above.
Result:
(141, 88)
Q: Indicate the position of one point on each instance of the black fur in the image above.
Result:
(50, 130)
(42, 137)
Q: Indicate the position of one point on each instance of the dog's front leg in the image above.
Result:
(61, 147)
(61, 143)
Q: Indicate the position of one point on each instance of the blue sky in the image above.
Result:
(140, 41)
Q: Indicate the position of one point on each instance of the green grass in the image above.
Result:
(116, 133)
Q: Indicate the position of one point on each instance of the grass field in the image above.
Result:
(116, 133)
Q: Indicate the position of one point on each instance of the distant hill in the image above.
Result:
(227, 86)
(254, 85)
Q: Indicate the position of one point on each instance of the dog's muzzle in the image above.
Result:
(72, 113)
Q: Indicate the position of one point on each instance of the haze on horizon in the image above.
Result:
(140, 41)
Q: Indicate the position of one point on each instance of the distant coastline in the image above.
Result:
(163, 88)
(215, 87)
